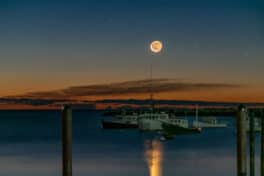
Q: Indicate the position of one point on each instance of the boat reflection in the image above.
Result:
(154, 156)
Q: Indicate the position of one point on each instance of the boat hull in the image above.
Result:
(178, 130)
(118, 125)
(208, 125)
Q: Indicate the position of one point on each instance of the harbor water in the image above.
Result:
(30, 144)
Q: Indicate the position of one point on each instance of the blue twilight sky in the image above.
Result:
(52, 44)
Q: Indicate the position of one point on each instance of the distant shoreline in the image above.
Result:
(109, 104)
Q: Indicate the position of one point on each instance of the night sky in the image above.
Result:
(51, 45)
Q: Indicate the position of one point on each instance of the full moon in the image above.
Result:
(156, 46)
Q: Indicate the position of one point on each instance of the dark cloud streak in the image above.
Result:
(129, 87)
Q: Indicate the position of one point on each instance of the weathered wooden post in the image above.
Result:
(241, 141)
(252, 142)
(67, 141)
(262, 143)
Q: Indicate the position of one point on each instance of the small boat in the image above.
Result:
(122, 121)
(207, 122)
(171, 131)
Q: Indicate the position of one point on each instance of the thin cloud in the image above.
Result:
(128, 88)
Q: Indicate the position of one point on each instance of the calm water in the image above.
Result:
(30, 145)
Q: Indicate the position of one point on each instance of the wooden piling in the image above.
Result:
(67, 141)
(241, 141)
(252, 142)
(262, 144)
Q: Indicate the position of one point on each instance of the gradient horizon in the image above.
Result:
(51, 45)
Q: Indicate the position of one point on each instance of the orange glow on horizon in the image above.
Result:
(243, 95)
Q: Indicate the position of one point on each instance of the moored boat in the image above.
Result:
(207, 122)
(118, 124)
(121, 121)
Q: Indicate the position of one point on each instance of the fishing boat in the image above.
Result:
(168, 127)
(153, 121)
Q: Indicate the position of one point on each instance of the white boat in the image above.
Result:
(207, 122)
(153, 121)
(125, 117)
(166, 126)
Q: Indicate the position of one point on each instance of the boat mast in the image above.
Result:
(151, 89)
(196, 113)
